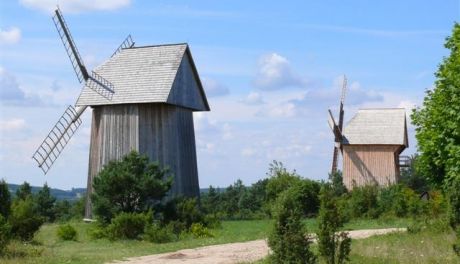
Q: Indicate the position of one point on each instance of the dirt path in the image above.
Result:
(233, 252)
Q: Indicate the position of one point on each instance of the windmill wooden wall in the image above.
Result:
(161, 131)
(370, 164)
(372, 142)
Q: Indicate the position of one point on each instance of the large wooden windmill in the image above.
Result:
(370, 145)
(143, 99)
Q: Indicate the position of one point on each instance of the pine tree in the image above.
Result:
(5, 199)
(45, 203)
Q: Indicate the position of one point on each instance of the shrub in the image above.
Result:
(362, 202)
(67, 232)
(399, 201)
(5, 199)
(24, 219)
(454, 211)
(98, 231)
(184, 210)
(157, 234)
(5, 234)
(333, 248)
(289, 238)
(128, 225)
(200, 231)
(130, 185)
(212, 221)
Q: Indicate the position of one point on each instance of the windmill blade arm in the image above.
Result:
(100, 85)
(69, 45)
(126, 44)
(331, 120)
(335, 129)
(52, 146)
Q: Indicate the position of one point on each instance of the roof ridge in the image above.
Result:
(159, 45)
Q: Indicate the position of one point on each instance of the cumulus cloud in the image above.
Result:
(11, 93)
(275, 73)
(13, 124)
(253, 98)
(9, 87)
(10, 36)
(214, 88)
(75, 6)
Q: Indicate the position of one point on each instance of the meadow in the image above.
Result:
(47, 248)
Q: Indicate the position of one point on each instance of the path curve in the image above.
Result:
(233, 252)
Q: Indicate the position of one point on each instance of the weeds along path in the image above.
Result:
(233, 252)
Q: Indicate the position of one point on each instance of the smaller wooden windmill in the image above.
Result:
(370, 144)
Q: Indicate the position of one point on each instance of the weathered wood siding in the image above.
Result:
(166, 134)
(370, 164)
(114, 132)
(163, 132)
(185, 90)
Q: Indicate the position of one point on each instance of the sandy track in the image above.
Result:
(233, 252)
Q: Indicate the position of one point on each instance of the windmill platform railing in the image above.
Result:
(404, 161)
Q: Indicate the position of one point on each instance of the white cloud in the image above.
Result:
(275, 73)
(11, 92)
(286, 109)
(75, 6)
(253, 98)
(10, 36)
(214, 88)
(13, 124)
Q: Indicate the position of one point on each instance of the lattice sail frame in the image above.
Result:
(57, 139)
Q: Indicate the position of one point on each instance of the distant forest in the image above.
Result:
(73, 194)
(70, 195)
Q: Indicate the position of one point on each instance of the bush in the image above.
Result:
(454, 211)
(5, 234)
(24, 219)
(200, 231)
(184, 210)
(5, 199)
(67, 232)
(333, 248)
(212, 221)
(289, 238)
(362, 202)
(130, 185)
(157, 234)
(399, 201)
(128, 225)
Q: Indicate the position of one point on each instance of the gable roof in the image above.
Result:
(384, 126)
(150, 74)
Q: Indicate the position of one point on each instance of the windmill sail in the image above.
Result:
(94, 81)
(337, 128)
(126, 44)
(69, 44)
(57, 138)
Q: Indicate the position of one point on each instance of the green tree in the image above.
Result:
(62, 210)
(336, 180)
(210, 201)
(437, 122)
(45, 203)
(24, 218)
(333, 247)
(289, 239)
(280, 179)
(5, 199)
(454, 211)
(5, 234)
(130, 185)
(24, 191)
(412, 178)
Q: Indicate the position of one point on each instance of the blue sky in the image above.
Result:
(270, 71)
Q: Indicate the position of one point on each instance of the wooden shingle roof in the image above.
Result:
(150, 74)
(384, 126)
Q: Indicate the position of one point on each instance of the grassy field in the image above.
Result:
(48, 249)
